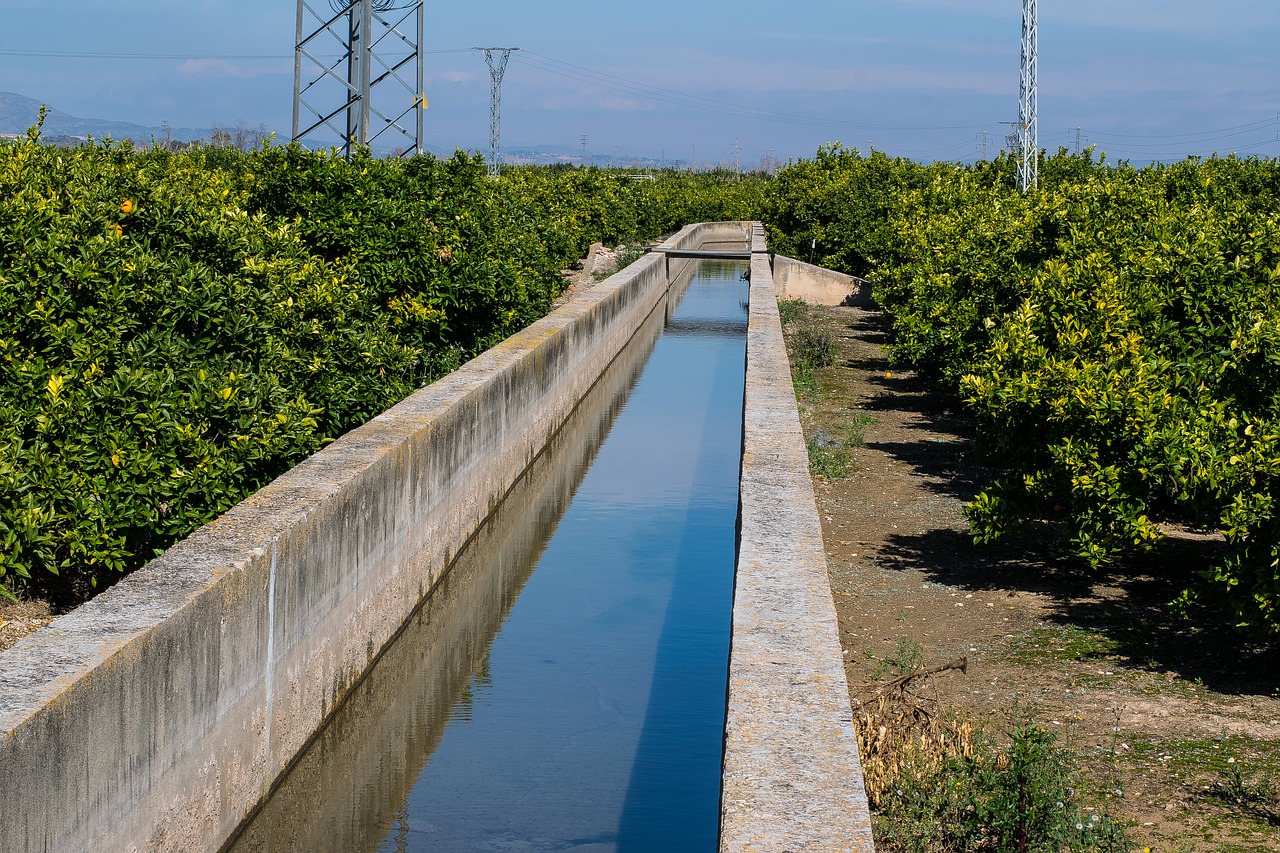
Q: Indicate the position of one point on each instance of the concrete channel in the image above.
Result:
(159, 715)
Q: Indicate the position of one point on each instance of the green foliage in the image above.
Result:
(179, 329)
(908, 658)
(624, 256)
(831, 457)
(815, 346)
(1024, 796)
(792, 311)
(828, 458)
(836, 209)
(810, 344)
(1117, 335)
(628, 255)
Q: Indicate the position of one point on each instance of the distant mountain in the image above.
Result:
(18, 112)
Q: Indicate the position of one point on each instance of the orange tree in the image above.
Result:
(1117, 333)
(179, 329)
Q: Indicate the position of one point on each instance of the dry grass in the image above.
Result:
(898, 726)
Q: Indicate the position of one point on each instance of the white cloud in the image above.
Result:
(628, 105)
(1193, 17)
(217, 68)
(456, 77)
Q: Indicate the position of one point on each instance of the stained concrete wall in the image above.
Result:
(792, 779)
(347, 787)
(797, 280)
(156, 716)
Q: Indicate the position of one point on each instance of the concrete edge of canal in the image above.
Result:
(792, 778)
(158, 715)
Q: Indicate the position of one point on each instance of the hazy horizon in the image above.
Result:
(919, 78)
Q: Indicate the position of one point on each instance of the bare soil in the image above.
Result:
(1177, 722)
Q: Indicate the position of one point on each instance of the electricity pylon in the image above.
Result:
(1028, 123)
(366, 93)
(495, 99)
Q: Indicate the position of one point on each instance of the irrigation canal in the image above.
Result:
(564, 686)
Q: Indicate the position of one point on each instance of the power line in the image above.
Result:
(80, 54)
(1209, 134)
(1184, 146)
(551, 65)
(536, 60)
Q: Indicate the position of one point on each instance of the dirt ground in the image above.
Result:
(1177, 722)
(19, 618)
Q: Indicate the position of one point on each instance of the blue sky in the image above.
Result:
(1142, 79)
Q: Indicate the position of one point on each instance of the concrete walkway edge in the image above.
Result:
(792, 778)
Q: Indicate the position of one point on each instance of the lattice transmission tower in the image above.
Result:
(1028, 122)
(496, 71)
(358, 74)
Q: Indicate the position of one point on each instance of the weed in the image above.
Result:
(623, 257)
(1060, 643)
(943, 784)
(830, 457)
(856, 431)
(815, 345)
(628, 255)
(1239, 787)
(907, 659)
(1019, 796)
(806, 384)
(792, 311)
(827, 457)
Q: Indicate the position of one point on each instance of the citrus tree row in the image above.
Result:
(179, 329)
(1116, 333)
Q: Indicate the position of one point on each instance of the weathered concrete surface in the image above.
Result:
(797, 280)
(792, 779)
(364, 764)
(156, 716)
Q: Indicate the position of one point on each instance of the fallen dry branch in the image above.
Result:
(897, 725)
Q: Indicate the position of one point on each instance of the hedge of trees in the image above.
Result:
(1116, 333)
(180, 328)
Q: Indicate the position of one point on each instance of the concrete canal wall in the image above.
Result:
(798, 280)
(157, 716)
(792, 780)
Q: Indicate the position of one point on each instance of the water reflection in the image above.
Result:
(581, 706)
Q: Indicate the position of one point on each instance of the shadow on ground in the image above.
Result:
(1128, 603)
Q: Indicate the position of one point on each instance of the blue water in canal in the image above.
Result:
(565, 687)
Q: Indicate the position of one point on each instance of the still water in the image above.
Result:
(564, 687)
